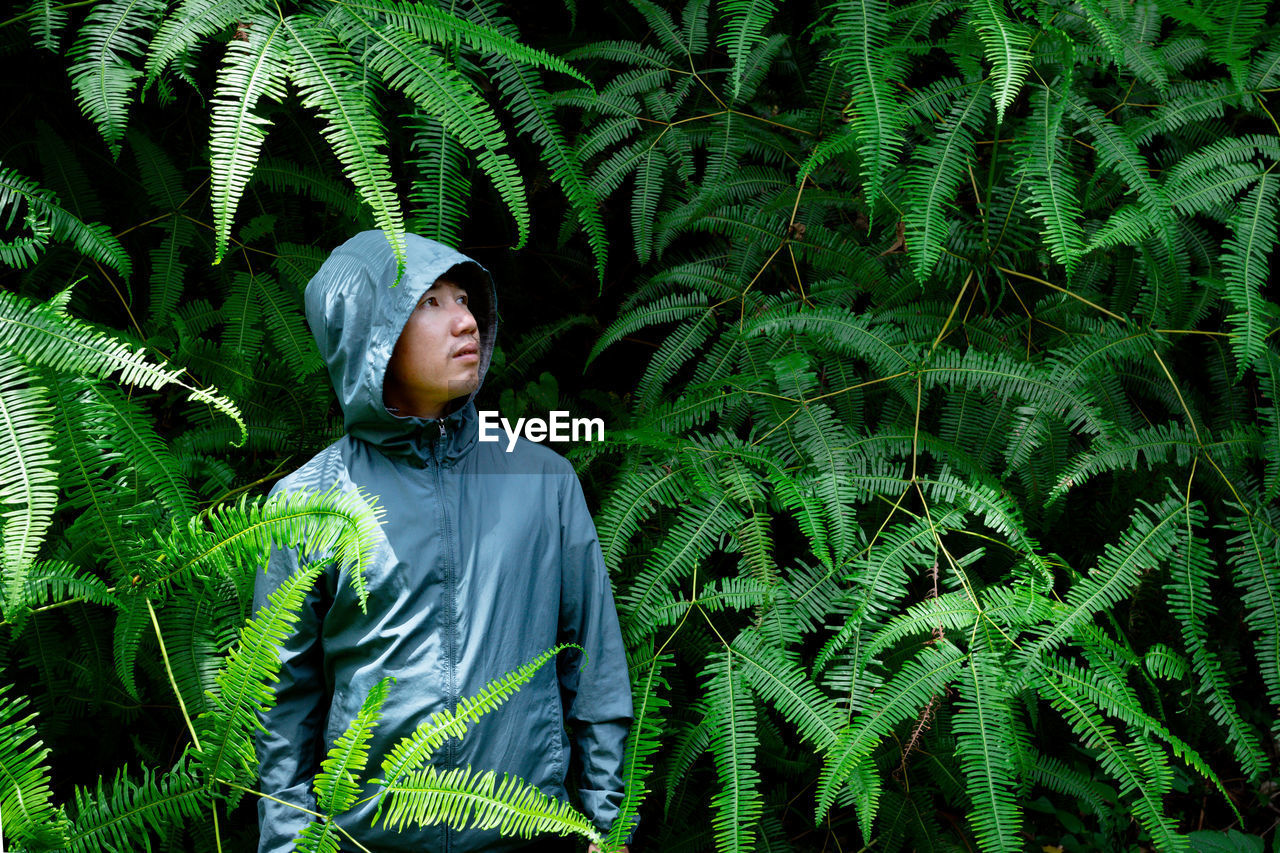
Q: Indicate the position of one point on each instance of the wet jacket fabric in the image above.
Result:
(487, 558)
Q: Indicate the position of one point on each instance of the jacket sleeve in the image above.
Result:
(597, 694)
(292, 745)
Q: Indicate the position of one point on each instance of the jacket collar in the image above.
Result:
(421, 442)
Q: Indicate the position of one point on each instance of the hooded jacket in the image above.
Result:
(486, 559)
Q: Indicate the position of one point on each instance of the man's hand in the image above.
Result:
(595, 848)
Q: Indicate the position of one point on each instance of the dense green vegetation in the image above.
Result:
(935, 342)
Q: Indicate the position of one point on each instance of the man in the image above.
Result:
(487, 558)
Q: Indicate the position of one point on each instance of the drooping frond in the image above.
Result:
(103, 73)
(45, 335)
(439, 91)
(737, 804)
(441, 183)
(1245, 260)
(47, 221)
(335, 526)
(863, 31)
(28, 478)
(1006, 42)
(935, 176)
(1051, 190)
(254, 68)
(334, 85)
(989, 750)
(744, 30)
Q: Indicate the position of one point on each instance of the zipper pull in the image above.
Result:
(441, 424)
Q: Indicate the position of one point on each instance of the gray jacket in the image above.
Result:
(486, 558)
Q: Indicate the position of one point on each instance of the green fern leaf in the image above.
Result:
(254, 68)
(990, 750)
(737, 805)
(463, 800)
(1245, 261)
(125, 813)
(862, 30)
(1007, 44)
(745, 21)
(337, 784)
(102, 73)
(912, 687)
(48, 221)
(439, 91)
(26, 792)
(28, 478)
(332, 83)
(1051, 187)
(934, 178)
(413, 751)
(244, 687)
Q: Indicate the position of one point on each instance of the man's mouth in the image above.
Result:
(467, 350)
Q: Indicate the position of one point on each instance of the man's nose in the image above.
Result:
(464, 322)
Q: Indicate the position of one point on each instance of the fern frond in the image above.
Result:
(745, 21)
(1144, 545)
(862, 30)
(440, 185)
(225, 731)
(103, 76)
(26, 793)
(413, 750)
(438, 27)
(464, 800)
(340, 526)
(190, 22)
(255, 67)
(1245, 261)
(28, 478)
(644, 740)
(47, 220)
(45, 335)
(919, 679)
(126, 813)
(533, 114)
(1007, 45)
(332, 83)
(337, 784)
(737, 804)
(990, 750)
(439, 91)
(1051, 188)
(935, 175)
(1253, 552)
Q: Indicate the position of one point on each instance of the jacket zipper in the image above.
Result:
(450, 601)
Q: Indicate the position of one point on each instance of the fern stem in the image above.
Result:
(17, 18)
(955, 305)
(1061, 289)
(164, 653)
(265, 796)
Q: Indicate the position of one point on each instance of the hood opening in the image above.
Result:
(356, 316)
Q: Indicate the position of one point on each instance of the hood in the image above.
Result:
(356, 316)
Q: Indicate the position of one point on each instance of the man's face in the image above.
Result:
(437, 356)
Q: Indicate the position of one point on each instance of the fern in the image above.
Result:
(255, 68)
(335, 785)
(102, 72)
